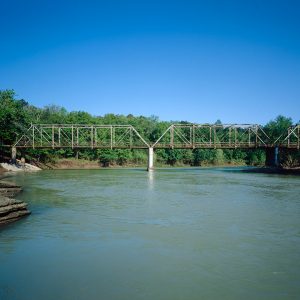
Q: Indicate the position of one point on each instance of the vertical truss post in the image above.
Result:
(298, 135)
(111, 137)
(114, 136)
(210, 136)
(77, 135)
(289, 134)
(235, 137)
(41, 136)
(33, 136)
(249, 137)
(52, 136)
(72, 137)
(229, 136)
(256, 135)
(59, 129)
(96, 139)
(130, 138)
(92, 135)
(215, 137)
(172, 136)
(193, 141)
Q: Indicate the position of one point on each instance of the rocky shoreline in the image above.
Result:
(10, 209)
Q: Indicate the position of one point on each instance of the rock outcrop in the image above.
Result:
(19, 167)
(8, 189)
(10, 209)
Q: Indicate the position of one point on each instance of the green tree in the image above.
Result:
(14, 119)
(106, 156)
(218, 157)
(123, 156)
(277, 129)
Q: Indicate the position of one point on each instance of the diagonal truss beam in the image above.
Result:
(291, 139)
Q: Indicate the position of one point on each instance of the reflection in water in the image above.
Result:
(151, 179)
(164, 234)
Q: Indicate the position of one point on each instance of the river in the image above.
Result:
(215, 233)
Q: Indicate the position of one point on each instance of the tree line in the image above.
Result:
(16, 115)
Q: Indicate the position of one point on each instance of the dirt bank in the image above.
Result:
(70, 163)
(75, 164)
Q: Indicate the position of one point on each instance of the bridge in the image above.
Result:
(176, 136)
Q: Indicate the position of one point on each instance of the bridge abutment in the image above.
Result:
(150, 159)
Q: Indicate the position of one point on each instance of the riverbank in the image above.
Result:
(78, 164)
(269, 170)
(73, 163)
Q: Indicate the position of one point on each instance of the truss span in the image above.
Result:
(221, 136)
(81, 136)
(176, 136)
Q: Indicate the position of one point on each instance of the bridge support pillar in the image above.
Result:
(276, 156)
(272, 157)
(150, 158)
(13, 155)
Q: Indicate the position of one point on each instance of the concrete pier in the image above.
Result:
(276, 159)
(13, 155)
(150, 158)
(272, 157)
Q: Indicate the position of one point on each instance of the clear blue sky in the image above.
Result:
(238, 61)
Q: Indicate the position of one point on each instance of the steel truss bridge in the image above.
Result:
(176, 136)
(81, 136)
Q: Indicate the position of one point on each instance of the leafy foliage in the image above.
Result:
(278, 127)
(16, 115)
